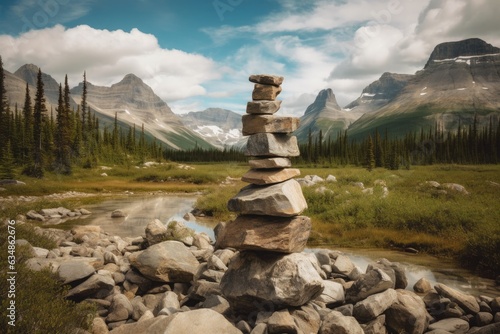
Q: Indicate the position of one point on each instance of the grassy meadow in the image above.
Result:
(412, 214)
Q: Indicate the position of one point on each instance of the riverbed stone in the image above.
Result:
(374, 281)
(275, 234)
(376, 326)
(336, 322)
(483, 319)
(270, 163)
(75, 270)
(266, 79)
(254, 280)
(156, 232)
(452, 325)
(265, 92)
(333, 293)
(283, 199)
(373, 306)
(97, 285)
(121, 308)
(32, 214)
(407, 314)
(269, 176)
(263, 107)
(272, 145)
(268, 124)
(467, 302)
(118, 214)
(422, 285)
(168, 261)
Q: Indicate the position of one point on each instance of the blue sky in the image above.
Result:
(198, 54)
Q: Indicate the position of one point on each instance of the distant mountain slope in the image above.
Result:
(380, 92)
(133, 101)
(325, 115)
(446, 91)
(220, 127)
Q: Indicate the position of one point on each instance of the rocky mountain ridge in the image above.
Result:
(447, 91)
(131, 99)
(324, 115)
(460, 81)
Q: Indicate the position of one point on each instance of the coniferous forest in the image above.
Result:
(39, 140)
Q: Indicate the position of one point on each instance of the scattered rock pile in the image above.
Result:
(55, 215)
(149, 285)
(269, 230)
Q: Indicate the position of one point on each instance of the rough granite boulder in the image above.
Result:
(466, 302)
(283, 199)
(253, 124)
(74, 270)
(269, 176)
(408, 314)
(266, 79)
(254, 280)
(373, 306)
(374, 281)
(263, 107)
(168, 261)
(337, 323)
(272, 145)
(270, 163)
(275, 234)
(98, 285)
(156, 232)
(265, 92)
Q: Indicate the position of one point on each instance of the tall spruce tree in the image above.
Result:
(39, 113)
(370, 156)
(63, 133)
(28, 125)
(4, 118)
(85, 115)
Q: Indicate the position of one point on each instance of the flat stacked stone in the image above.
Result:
(270, 207)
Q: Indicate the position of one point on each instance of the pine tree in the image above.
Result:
(370, 156)
(7, 163)
(28, 125)
(38, 115)
(379, 151)
(85, 115)
(4, 120)
(63, 132)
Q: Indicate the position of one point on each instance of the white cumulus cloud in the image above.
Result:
(108, 56)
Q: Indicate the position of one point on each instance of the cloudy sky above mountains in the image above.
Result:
(198, 54)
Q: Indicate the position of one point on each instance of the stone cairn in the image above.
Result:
(270, 271)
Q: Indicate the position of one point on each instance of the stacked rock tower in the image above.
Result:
(269, 231)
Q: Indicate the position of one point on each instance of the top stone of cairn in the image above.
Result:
(266, 79)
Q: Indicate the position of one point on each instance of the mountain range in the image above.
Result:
(131, 100)
(459, 82)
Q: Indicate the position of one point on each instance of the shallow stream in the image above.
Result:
(141, 210)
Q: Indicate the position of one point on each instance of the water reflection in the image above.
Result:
(139, 212)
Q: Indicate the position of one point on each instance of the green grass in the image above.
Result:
(39, 297)
(464, 227)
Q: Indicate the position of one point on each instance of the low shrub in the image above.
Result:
(39, 297)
